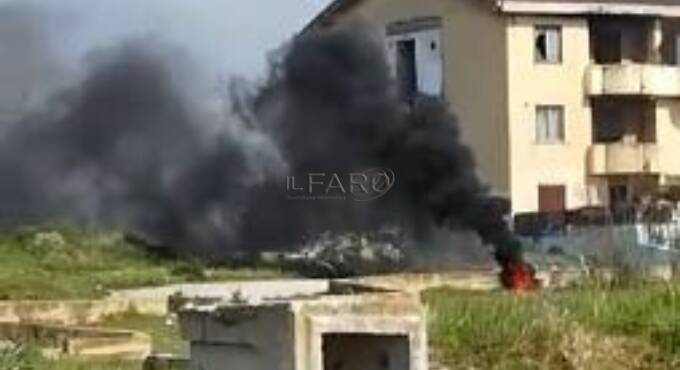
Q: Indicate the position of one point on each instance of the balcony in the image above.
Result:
(633, 79)
(623, 159)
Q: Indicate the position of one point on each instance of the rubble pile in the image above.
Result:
(345, 255)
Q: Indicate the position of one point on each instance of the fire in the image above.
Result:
(519, 277)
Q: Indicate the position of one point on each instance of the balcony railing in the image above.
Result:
(633, 79)
(623, 158)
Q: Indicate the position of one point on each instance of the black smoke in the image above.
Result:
(28, 67)
(336, 108)
(127, 148)
(130, 148)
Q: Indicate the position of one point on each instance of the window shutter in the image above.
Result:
(541, 125)
(554, 124)
(549, 124)
(552, 40)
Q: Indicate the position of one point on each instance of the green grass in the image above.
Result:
(68, 263)
(31, 359)
(82, 364)
(605, 328)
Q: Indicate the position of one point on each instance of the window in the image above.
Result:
(549, 124)
(415, 55)
(417, 61)
(548, 44)
(407, 74)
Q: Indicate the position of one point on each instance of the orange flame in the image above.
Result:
(519, 277)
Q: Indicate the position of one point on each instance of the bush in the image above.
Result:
(192, 270)
(18, 358)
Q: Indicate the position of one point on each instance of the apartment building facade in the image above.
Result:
(566, 103)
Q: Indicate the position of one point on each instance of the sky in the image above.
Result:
(224, 37)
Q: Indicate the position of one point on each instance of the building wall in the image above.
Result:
(493, 84)
(475, 77)
(532, 84)
(246, 338)
(668, 136)
(207, 356)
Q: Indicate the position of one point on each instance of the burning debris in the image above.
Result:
(519, 277)
(347, 255)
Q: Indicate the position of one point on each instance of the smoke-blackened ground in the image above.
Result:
(129, 147)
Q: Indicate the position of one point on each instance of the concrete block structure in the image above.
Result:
(385, 331)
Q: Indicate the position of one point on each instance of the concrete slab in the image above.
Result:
(73, 313)
(254, 291)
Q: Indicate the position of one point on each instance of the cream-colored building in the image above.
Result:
(566, 103)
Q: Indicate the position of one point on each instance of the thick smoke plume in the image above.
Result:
(335, 108)
(129, 147)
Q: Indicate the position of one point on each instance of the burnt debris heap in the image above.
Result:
(130, 146)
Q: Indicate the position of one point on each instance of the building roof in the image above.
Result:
(335, 7)
(635, 2)
(668, 8)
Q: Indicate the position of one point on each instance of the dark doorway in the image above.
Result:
(552, 198)
(365, 352)
(407, 73)
(607, 45)
(618, 194)
(620, 204)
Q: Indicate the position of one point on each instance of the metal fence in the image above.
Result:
(640, 248)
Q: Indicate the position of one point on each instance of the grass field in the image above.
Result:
(28, 359)
(598, 328)
(68, 263)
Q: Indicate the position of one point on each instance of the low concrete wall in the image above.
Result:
(151, 301)
(253, 291)
(79, 341)
(70, 313)
(483, 279)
